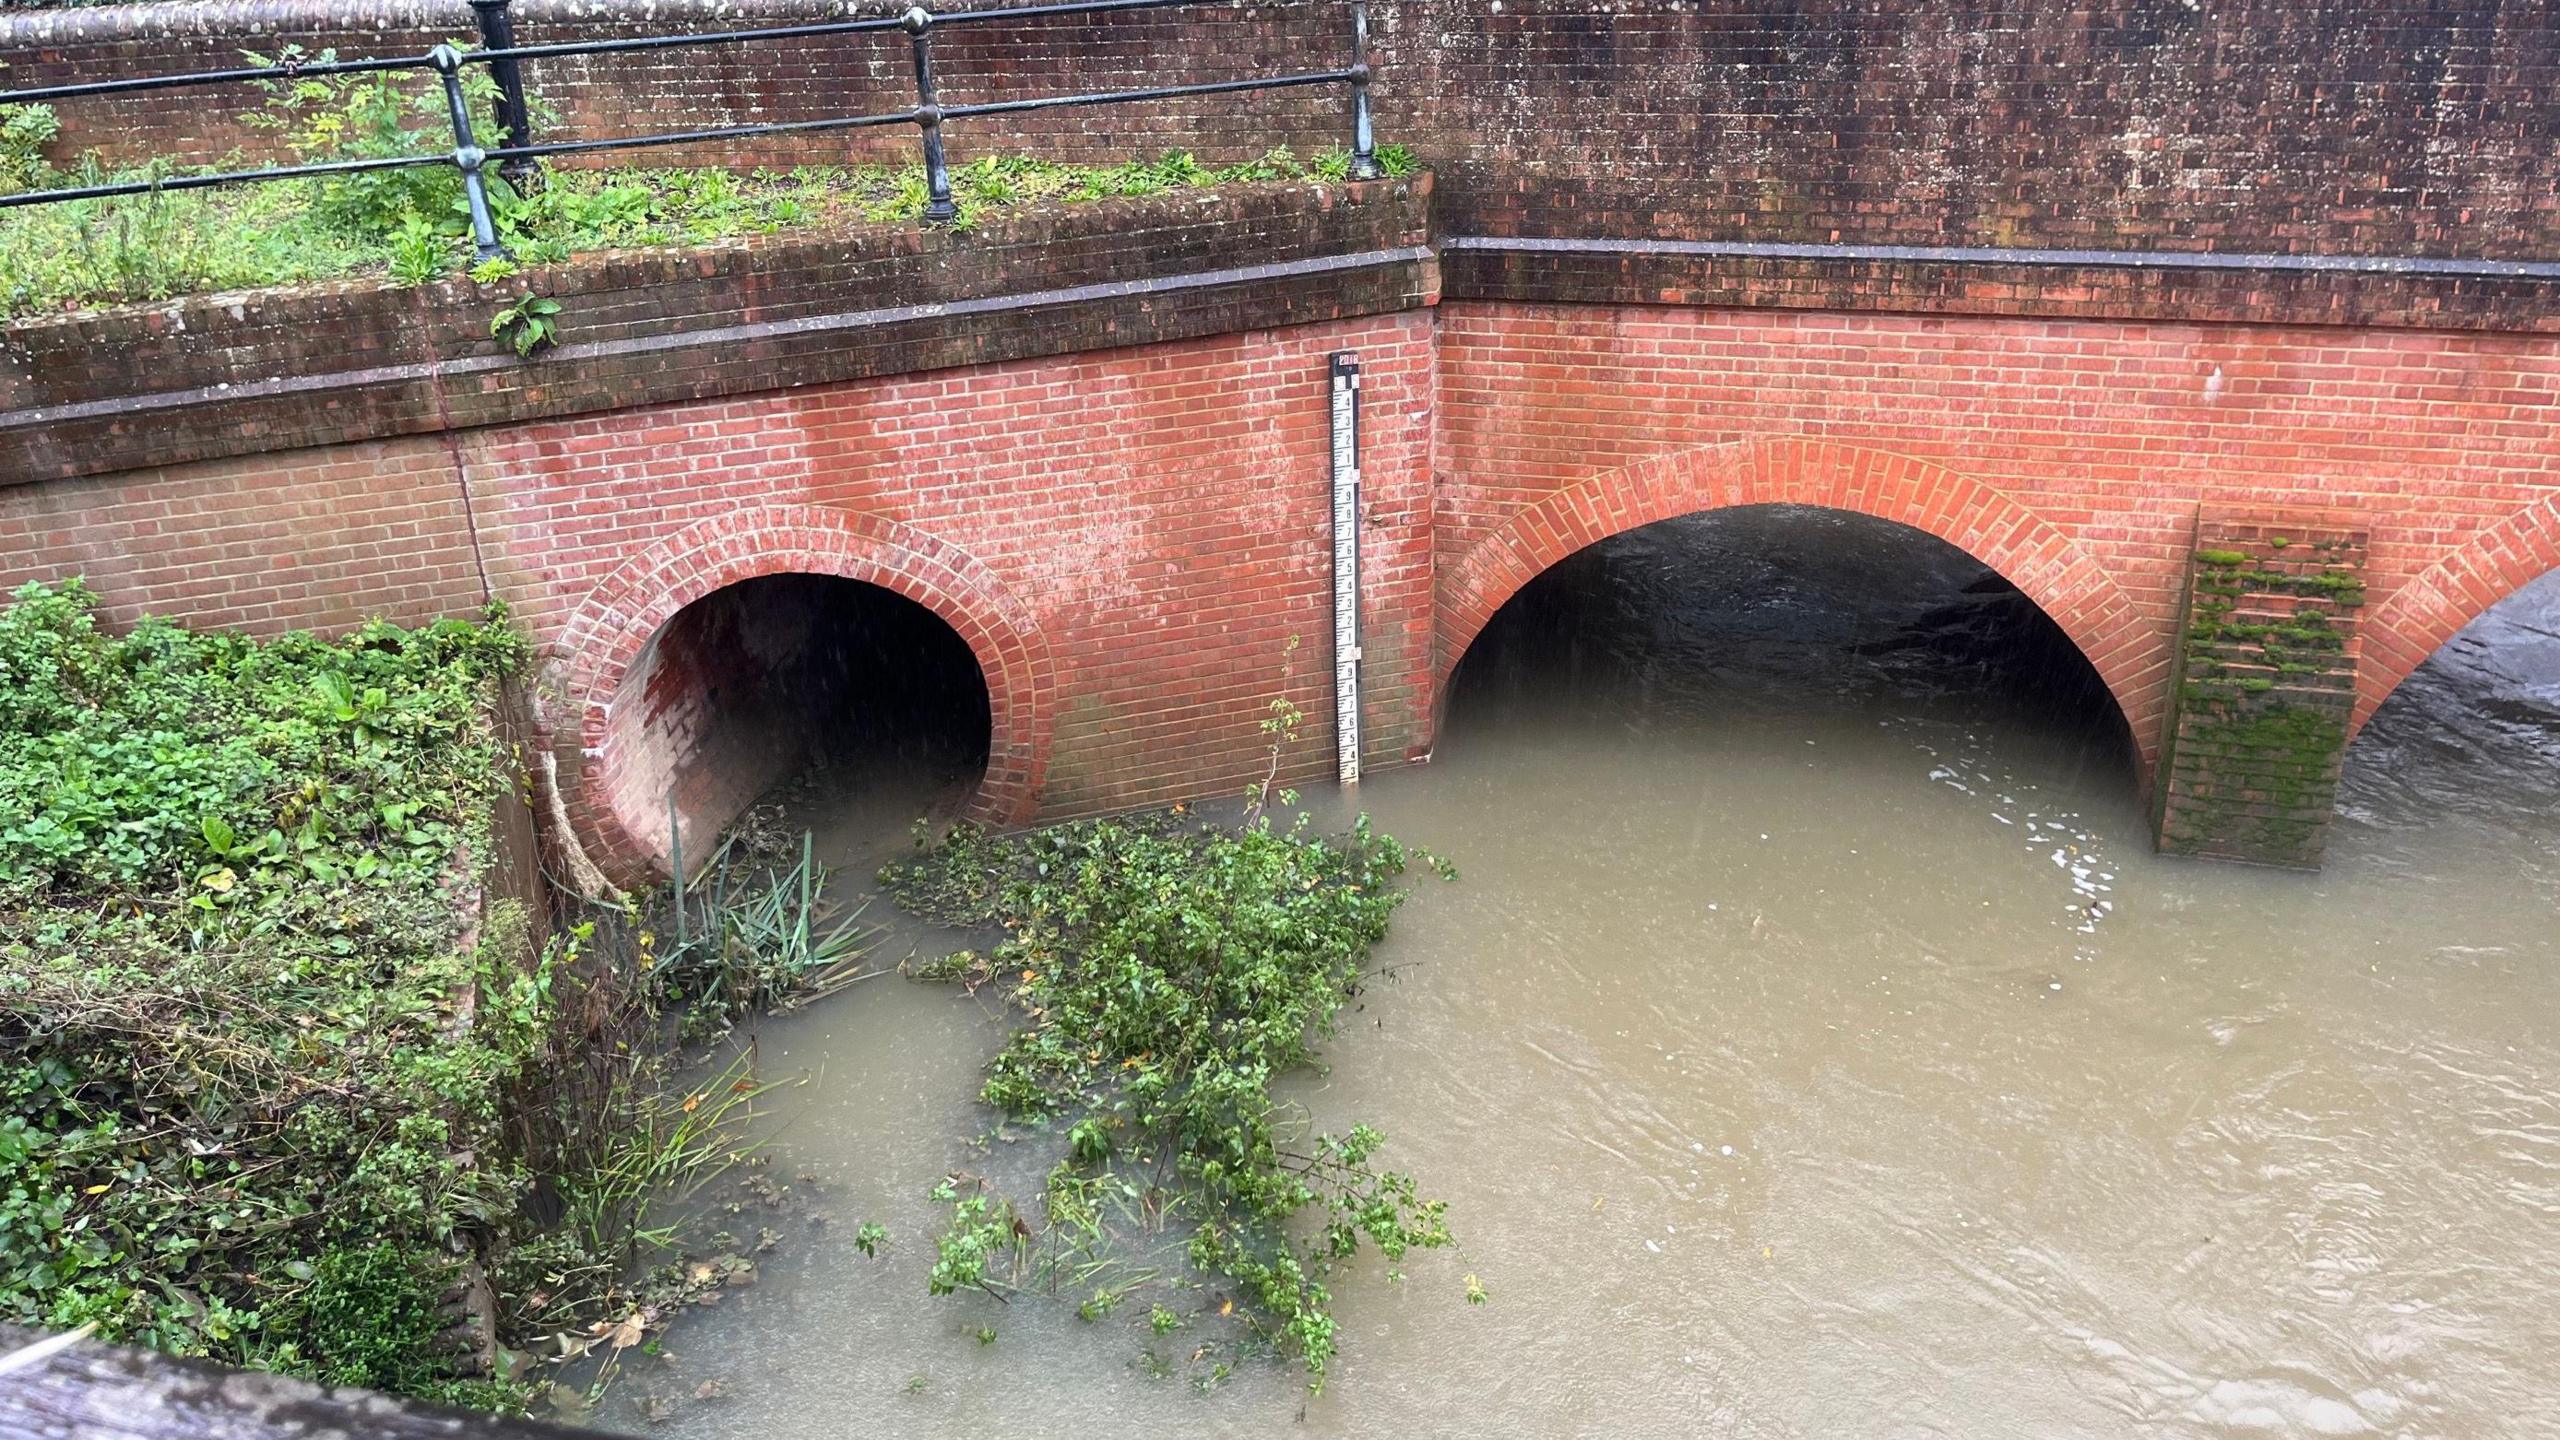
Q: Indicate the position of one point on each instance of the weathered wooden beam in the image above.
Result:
(108, 1392)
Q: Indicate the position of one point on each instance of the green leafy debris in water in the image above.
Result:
(1164, 975)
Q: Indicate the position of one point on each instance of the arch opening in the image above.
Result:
(862, 706)
(1774, 610)
(2473, 730)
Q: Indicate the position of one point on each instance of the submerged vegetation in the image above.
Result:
(1166, 974)
(276, 1088)
(411, 225)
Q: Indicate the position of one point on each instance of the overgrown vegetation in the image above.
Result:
(265, 1098)
(411, 226)
(237, 1111)
(752, 933)
(1167, 973)
(24, 132)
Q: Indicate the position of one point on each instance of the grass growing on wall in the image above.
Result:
(411, 225)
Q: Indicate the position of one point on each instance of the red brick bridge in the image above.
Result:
(2226, 333)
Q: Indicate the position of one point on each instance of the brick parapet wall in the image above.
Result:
(218, 375)
(797, 79)
(2415, 127)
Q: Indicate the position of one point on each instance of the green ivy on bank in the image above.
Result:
(239, 1117)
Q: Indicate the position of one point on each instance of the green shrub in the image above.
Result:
(24, 132)
(373, 117)
(371, 1315)
(232, 1088)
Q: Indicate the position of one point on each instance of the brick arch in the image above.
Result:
(2128, 652)
(2433, 606)
(611, 628)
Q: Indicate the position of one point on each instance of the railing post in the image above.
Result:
(515, 122)
(467, 156)
(939, 208)
(1364, 145)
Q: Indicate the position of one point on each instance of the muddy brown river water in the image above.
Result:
(1813, 1047)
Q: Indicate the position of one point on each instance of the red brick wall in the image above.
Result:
(695, 728)
(316, 540)
(2480, 568)
(1131, 539)
(1135, 542)
(2070, 455)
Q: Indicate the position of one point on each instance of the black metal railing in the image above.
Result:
(518, 151)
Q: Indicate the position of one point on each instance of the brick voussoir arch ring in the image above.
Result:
(613, 626)
(2433, 606)
(1985, 522)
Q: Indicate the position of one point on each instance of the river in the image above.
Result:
(1813, 1046)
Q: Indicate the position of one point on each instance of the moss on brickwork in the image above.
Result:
(2251, 766)
(2270, 775)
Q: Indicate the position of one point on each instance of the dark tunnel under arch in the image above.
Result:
(784, 674)
(1750, 600)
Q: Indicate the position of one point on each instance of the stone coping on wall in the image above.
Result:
(213, 375)
(2515, 297)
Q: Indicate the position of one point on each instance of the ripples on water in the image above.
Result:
(1815, 1048)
